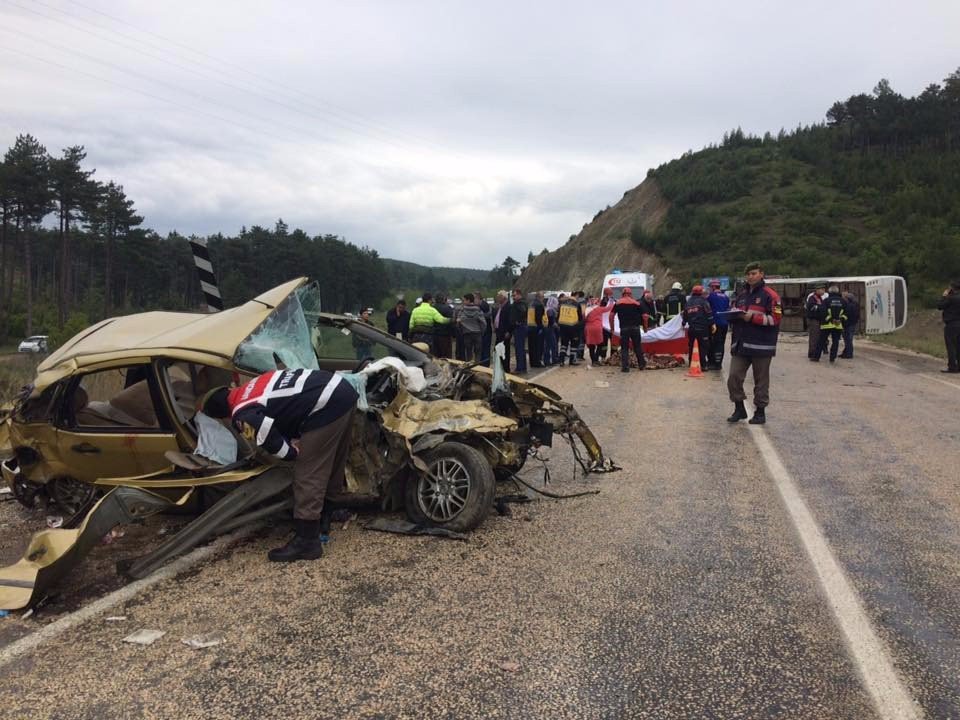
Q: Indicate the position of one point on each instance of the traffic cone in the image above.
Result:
(694, 370)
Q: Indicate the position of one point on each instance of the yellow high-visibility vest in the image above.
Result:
(568, 315)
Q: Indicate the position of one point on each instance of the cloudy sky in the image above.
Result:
(447, 132)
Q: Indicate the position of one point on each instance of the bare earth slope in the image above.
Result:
(604, 244)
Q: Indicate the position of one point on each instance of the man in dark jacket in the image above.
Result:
(755, 331)
(443, 334)
(950, 305)
(518, 325)
(303, 416)
(850, 325)
(813, 312)
(698, 319)
(502, 326)
(487, 330)
(398, 320)
(630, 314)
(471, 322)
(535, 325)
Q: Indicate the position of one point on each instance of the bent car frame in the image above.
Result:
(108, 431)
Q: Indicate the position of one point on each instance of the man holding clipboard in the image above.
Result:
(755, 321)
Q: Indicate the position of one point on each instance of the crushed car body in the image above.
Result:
(109, 431)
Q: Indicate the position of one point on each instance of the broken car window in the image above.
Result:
(285, 333)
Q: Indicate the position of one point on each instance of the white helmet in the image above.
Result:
(676, 286)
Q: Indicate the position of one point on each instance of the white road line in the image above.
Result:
(58, 627)
(891, 698)
(889, 364)
(877, 672)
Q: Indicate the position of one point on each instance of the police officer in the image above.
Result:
(756, 328)
(698, 318)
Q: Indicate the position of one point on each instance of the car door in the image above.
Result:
(113, 424)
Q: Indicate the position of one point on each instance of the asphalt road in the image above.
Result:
(682, 590)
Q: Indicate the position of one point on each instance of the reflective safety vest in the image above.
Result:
(532, 317)
(569, 316)
(835, 312)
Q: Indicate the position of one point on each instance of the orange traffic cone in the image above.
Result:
(694, 370)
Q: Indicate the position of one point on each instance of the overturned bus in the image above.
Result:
(882, 299)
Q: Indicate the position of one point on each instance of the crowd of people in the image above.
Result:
(560, 328)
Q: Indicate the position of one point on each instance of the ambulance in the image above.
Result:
(617, 280)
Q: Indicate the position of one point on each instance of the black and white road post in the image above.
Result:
(208, 281)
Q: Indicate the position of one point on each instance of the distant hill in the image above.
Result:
(402, 275)
(873, 190)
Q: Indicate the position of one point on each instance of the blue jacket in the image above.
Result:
(719, 302)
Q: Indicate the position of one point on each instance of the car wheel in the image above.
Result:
(459, 491)
(70, 495)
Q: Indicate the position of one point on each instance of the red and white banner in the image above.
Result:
(668, 339)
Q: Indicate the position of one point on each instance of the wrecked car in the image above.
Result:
(114, 409)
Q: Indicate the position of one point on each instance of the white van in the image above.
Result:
(882, 298)
(619, 279)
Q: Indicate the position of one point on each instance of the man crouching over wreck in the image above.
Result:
(301, 415)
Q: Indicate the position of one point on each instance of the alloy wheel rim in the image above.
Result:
(443, 494)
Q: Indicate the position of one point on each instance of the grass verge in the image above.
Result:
(922, 333)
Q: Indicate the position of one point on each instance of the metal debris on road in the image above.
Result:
(115, 618)
(404, 527)
(54, 521)
(145, 637)
(199, 642)
(27, 614)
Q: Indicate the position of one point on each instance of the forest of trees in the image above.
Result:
(74, 250)
(873, 190)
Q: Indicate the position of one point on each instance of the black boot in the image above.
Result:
(759, 417)
(739, 412)
(304, 545)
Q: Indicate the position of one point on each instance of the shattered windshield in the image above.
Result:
(285, 332)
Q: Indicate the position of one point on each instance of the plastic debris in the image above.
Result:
(144, 637)
(54, 521)
(199, 642)
(27, 614)
(4, 613)
(5, 491)
(508, 666)
(115, 618)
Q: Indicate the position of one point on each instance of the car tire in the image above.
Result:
(466, 495)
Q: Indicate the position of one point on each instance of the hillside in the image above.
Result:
(873, 190)
(603, 244)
